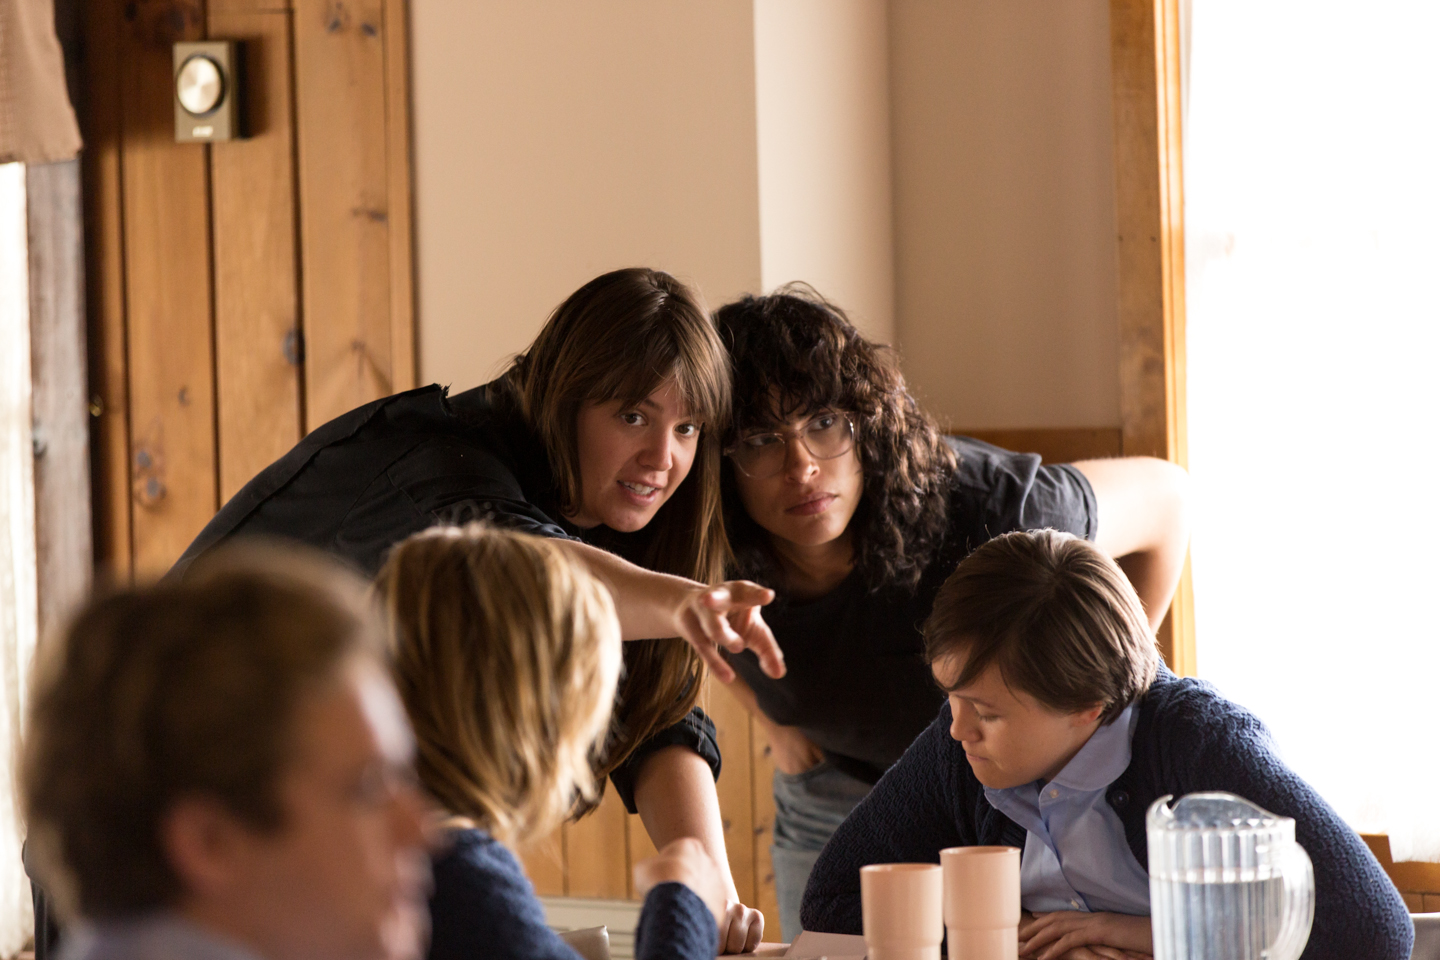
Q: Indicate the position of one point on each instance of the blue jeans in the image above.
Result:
(808, 808)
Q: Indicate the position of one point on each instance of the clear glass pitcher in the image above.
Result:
(1227, 881)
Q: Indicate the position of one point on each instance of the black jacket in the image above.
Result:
(358, 485)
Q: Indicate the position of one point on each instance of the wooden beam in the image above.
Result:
(168, 287)
(60, 395)
(257, 303)
(100, 119)
(1054, 444)
(398, 169)
(345, 205)
(1150, 221)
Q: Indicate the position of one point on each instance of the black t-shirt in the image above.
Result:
(856, 681)
(360, 484)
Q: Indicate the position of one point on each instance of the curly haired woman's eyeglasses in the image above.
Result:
(762, 455)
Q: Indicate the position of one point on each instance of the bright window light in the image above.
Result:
(1313, 241)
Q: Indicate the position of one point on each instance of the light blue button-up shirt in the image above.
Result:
(1076, 856)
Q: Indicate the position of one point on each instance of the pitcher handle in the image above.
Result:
(1299, 880)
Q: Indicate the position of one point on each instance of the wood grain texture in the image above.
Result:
(257, 320)
(597, 852)
(1150, 221)
(732, 729)
(223, 7)
(168, 294)
(60, 396)
(400, 181)
(1055, 445)
(344, 203)
(544, 862)
(640, 847)
(100, 121)
(762, 829)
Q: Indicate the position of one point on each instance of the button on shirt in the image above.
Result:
(1076, 856)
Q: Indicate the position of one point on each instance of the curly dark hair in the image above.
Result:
(794, 352)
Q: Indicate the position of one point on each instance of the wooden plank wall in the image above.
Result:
(1150, 220)
(241, 293)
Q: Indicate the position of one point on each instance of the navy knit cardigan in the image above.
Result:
(484, 907)
(1188, 738)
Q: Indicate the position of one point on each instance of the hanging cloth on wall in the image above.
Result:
(37, 123)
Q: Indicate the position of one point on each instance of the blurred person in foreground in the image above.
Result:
(221, 769)
(507, 652)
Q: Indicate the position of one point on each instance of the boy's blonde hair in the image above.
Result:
(1055, 614)
(506, 652)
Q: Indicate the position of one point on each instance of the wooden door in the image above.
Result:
(241, 293)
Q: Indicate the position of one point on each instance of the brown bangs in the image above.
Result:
(701, 376)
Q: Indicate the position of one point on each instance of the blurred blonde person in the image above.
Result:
(221, 769)
(507, 654)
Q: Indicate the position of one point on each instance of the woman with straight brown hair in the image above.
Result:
(603, 435)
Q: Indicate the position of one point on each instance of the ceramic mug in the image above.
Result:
(901, 907)
(982, 902)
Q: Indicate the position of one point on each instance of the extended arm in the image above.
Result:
(654, 604)
(1143, 523)
(675, 797)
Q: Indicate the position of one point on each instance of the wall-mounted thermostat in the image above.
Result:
(207, 92)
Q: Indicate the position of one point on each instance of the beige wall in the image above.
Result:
(823, 110)
(941, 168)
(1005, 211)
(558, 139)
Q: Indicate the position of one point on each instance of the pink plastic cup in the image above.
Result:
(982, 902)
(900, 905)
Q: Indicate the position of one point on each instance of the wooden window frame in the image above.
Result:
(1150, 221)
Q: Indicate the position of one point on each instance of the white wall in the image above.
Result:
(943, 169)
(1005, 211)
(558, 139)
(823, 109)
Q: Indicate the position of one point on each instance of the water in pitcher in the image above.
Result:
(1227, 881)
(1222, 921)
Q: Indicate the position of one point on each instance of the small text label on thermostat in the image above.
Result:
(202, 131)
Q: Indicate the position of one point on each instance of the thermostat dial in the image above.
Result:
(199, 85)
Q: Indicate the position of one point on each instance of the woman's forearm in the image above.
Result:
(675, 797)
(709, 618)
(1143, 522)
(645, 601)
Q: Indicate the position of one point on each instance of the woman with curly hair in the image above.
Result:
(846, 498)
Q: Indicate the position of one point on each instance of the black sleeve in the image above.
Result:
(452, 480)
(695, 730)
(1358, 912)
(912, 814)
(996, 491)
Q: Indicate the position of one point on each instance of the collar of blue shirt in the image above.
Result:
(158, 936)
